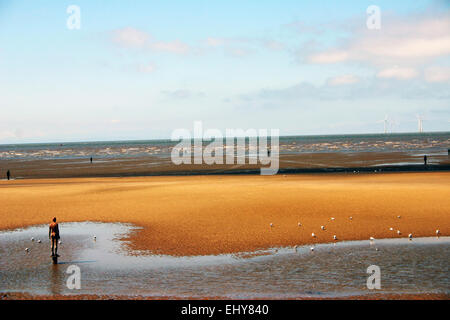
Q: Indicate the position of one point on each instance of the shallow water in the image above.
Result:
(107, 268)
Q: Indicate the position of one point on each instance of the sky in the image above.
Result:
(141, 69)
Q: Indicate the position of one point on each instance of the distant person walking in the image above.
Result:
(91, 159)
(53, 235)
(425, 159)
(8, 175)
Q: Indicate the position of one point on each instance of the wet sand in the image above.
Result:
(162, 165)
(200, 215)
(27, 296)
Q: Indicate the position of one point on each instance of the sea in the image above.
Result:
(430, 143)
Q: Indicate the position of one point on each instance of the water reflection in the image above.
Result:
(332, 270)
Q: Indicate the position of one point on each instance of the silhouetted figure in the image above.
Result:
(8, 174)
(268, 152)
(53, 235)
(425, 160)
(91, 159)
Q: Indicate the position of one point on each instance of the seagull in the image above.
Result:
(95, 238)
(271, 225)
(334, 237)
(295, 248)
(398, 232)
(399, 217)
(438, 232)
(312, 249)
(351, 218)
(59, 242)
(32, 239)
(392, 229)
(299, 224)
(371, 238)
(376, 249)
(332, 218)
(313, 235)
(322, 227)
(410, 236)
(39, 241)
(27, 250)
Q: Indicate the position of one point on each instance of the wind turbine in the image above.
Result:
(394, 123)
(386, 123)
(419, 123)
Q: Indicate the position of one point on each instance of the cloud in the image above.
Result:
(240, 47)
(170, 46)
(343, 80)
(130, 37)
(332, 56)
(133, 38)
(437, 74)
(348, 87)
(397, 73)
(398, 41)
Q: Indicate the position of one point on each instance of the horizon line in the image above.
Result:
(281, 136)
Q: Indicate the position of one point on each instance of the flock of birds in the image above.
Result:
(371, 239)
(335, 238)
(27, 250)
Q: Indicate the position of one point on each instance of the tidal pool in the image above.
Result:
(107, 267)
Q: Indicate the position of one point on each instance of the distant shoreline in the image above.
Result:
(204, 171)
(151, 165)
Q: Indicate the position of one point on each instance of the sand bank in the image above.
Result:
(198, 215)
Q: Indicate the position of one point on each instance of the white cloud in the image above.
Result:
(397, 73)
(134, 38)
(398, 40)
(437, 74)
(130, 37)
(329, 57)
(170, 46)
(343, 80)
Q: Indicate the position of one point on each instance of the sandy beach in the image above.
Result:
(202, 215)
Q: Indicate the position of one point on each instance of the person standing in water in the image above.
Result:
(53, 235)
(91, 159)
(425, 159)
(8, 174)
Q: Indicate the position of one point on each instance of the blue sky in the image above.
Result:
(140, 69)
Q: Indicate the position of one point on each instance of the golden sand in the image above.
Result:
(192, 215)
